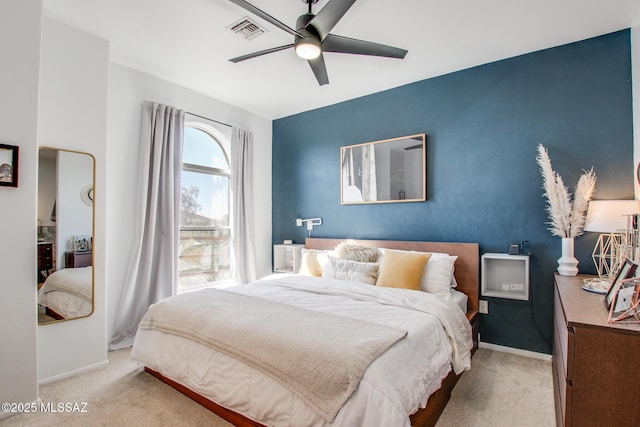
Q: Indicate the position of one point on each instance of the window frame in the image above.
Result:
(219, 138)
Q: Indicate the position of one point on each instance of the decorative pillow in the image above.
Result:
(402, 269)
(313, 262)
(438, 275)
(344, 269)
(350, 250)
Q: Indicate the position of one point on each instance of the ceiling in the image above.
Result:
(187, 42)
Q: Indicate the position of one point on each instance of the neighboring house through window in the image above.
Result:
(205, 243)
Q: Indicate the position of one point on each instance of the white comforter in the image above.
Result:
(394, 386)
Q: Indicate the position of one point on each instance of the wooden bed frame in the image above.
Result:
(467, 275)
(52, 313)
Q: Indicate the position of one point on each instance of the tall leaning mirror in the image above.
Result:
(65, 235)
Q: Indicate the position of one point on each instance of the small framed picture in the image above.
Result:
(620, 294)
(9, 156)
(81, 243)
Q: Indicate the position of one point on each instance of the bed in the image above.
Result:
(67, 293)
(397, 382)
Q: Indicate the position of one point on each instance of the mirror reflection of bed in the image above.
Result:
(65, 235)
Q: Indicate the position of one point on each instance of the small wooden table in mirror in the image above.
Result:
(388, 171)
(65, 235)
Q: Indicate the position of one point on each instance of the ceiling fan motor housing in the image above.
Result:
(309, 35)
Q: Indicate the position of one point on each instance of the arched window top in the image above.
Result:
(199, 150)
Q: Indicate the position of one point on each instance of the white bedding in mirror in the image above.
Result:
(68, 292)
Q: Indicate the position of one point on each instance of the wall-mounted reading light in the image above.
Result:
(311, 222)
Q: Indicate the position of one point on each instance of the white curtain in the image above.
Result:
(369, 186)
(153, 264)
(242, 229)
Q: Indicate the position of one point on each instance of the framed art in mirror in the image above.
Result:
(387, 171)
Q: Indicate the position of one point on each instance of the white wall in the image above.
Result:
(46, 190)
(20, 31)
(127, 91)
(73, 116)
(74, 217)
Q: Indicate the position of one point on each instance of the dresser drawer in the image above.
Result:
(559, 375)
(78, 259)
(565, 338)
(45, 256)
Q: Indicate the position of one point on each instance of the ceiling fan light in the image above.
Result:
(308, 48)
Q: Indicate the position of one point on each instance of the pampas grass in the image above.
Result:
(566, 217)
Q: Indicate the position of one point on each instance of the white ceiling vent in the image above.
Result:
(247, 28)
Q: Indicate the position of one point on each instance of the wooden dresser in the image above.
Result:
(45, 260)
(77, 259)
(596, 365)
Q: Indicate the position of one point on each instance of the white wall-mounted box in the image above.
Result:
(287, 258)
(505, 276)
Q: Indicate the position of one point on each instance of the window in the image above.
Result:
(205, 234)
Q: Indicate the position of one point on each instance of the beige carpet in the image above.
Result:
(500, 390)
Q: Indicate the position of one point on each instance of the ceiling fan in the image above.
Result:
(312, 38)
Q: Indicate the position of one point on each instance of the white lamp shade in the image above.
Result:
(608, 216)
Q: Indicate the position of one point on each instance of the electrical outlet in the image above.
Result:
(484, 307)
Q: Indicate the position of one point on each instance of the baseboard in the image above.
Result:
(74, 373)
(517, 351)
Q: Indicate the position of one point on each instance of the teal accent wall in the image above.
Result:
(483, 184)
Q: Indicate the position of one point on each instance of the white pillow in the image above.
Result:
(313, 261)
(438, 274)
(343, 269)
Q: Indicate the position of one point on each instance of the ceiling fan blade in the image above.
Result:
(319, 69)
(329, 16)
(260, 53)
(251, 8)
(339, 44)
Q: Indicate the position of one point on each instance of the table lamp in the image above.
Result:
(609, 217)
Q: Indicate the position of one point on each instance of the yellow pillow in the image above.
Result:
(400, 269)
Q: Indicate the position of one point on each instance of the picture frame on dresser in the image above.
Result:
(81, 243)
(626, 302)
(617, 293)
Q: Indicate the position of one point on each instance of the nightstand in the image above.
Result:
(505, 276)
(77, 259)
(287, 258)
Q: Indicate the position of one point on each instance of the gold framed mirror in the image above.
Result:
(66, 217)
(387, 171)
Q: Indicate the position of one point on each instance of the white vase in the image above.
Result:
(567, 264)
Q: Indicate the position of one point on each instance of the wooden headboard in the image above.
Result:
(467, 265)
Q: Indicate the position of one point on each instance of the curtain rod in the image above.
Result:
(207, 118)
